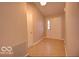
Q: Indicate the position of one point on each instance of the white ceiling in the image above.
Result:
(51, 8)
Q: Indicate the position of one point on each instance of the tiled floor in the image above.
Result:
(48, 47)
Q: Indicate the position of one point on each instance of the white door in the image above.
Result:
(29, 28)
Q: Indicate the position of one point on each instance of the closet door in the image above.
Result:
(29, 28)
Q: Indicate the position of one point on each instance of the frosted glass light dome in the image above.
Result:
(43, 3)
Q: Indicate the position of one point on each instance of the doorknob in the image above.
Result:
(30, 32)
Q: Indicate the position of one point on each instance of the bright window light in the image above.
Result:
(48, 24)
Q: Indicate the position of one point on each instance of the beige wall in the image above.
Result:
(35, 24)
(13, 29)
(72, 29)
(57, 27)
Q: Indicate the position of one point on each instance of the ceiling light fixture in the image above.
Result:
(43, 3)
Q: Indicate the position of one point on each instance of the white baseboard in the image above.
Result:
(26, 55)
(53, 38)
(37, 42)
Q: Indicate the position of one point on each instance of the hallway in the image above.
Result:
(50, 25)
(39, 30)
(48, 47)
